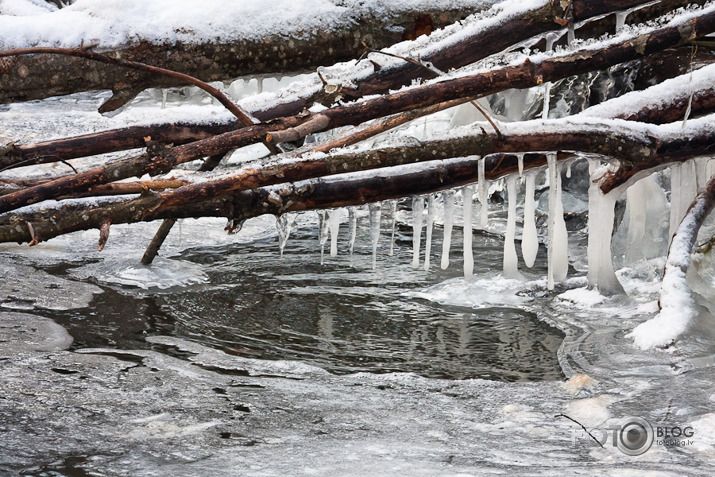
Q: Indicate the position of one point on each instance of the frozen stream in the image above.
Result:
(224, 358)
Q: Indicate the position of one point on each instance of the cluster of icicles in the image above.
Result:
(557, 243)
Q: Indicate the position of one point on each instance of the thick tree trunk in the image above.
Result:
(526, 74)
(41, 76)
(232, 197)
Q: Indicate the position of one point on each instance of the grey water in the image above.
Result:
(343, 318)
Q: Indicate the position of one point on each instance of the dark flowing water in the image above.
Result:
(343, 318)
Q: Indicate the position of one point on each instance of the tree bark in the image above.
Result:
(526, 74)
(41, 76)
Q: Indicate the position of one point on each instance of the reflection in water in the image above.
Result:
(345, 319)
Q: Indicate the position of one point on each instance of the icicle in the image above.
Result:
(164, 94)
(448, 198)
(334, 227)
(600, 228)
(375, 214)
(529, 239)
(418, 207)
(428, 237)
(568, 170)
(322, 232)
(467, 194)
(621, 20)
(259, 85)
(520, 162)
(510, 259)
(483, 193)
(352, 218)
(550, 39)
(683, 189)
(571, 36)
(284, 224)
(558, 238)
(393, 213)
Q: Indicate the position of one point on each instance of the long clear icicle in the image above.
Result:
(520, 163)
(334, 227)
(393, 213)
(375, 215)
(284, 224)
(448, 198)
(550, 39)
(600, 228)
(418, 208)
(510, 258)
(558, 237)
(428, 236)
(467, 194)
(483, 193)
(322, 232)
(530, 239)
(352, 218)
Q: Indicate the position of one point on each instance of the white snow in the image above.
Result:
(122, 23)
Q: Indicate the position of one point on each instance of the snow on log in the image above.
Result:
(223, 40)
(521, 74)
(677, 307)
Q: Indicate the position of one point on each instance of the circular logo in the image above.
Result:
(635, 436)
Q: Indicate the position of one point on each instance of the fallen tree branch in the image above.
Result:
(36, 77)
(242, 116)
(677, 307)
(525, 74)
(218, 197)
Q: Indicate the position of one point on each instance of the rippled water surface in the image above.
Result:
(343, 318)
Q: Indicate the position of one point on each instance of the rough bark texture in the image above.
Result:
(233, 198)
(42, 76)
(526, 74)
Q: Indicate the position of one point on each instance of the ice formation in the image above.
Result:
(448, 198)
(428, 236)
(352, 218)
(600, 227)
(645, 208)
(558, 238)
(683, 189)
(520, 163)
(467, 194)
(393, 214)
(334, 226)
(418, 207)
(483, 193)
(510, 258)
(529, 239)
(375, 215)
(678, 307)
(284, 224)
(322, 232)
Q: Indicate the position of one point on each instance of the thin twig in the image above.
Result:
(582, 427)
(432, 69)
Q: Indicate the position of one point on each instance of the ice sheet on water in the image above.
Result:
(161, 274)
(24, 287)
(23, 333)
